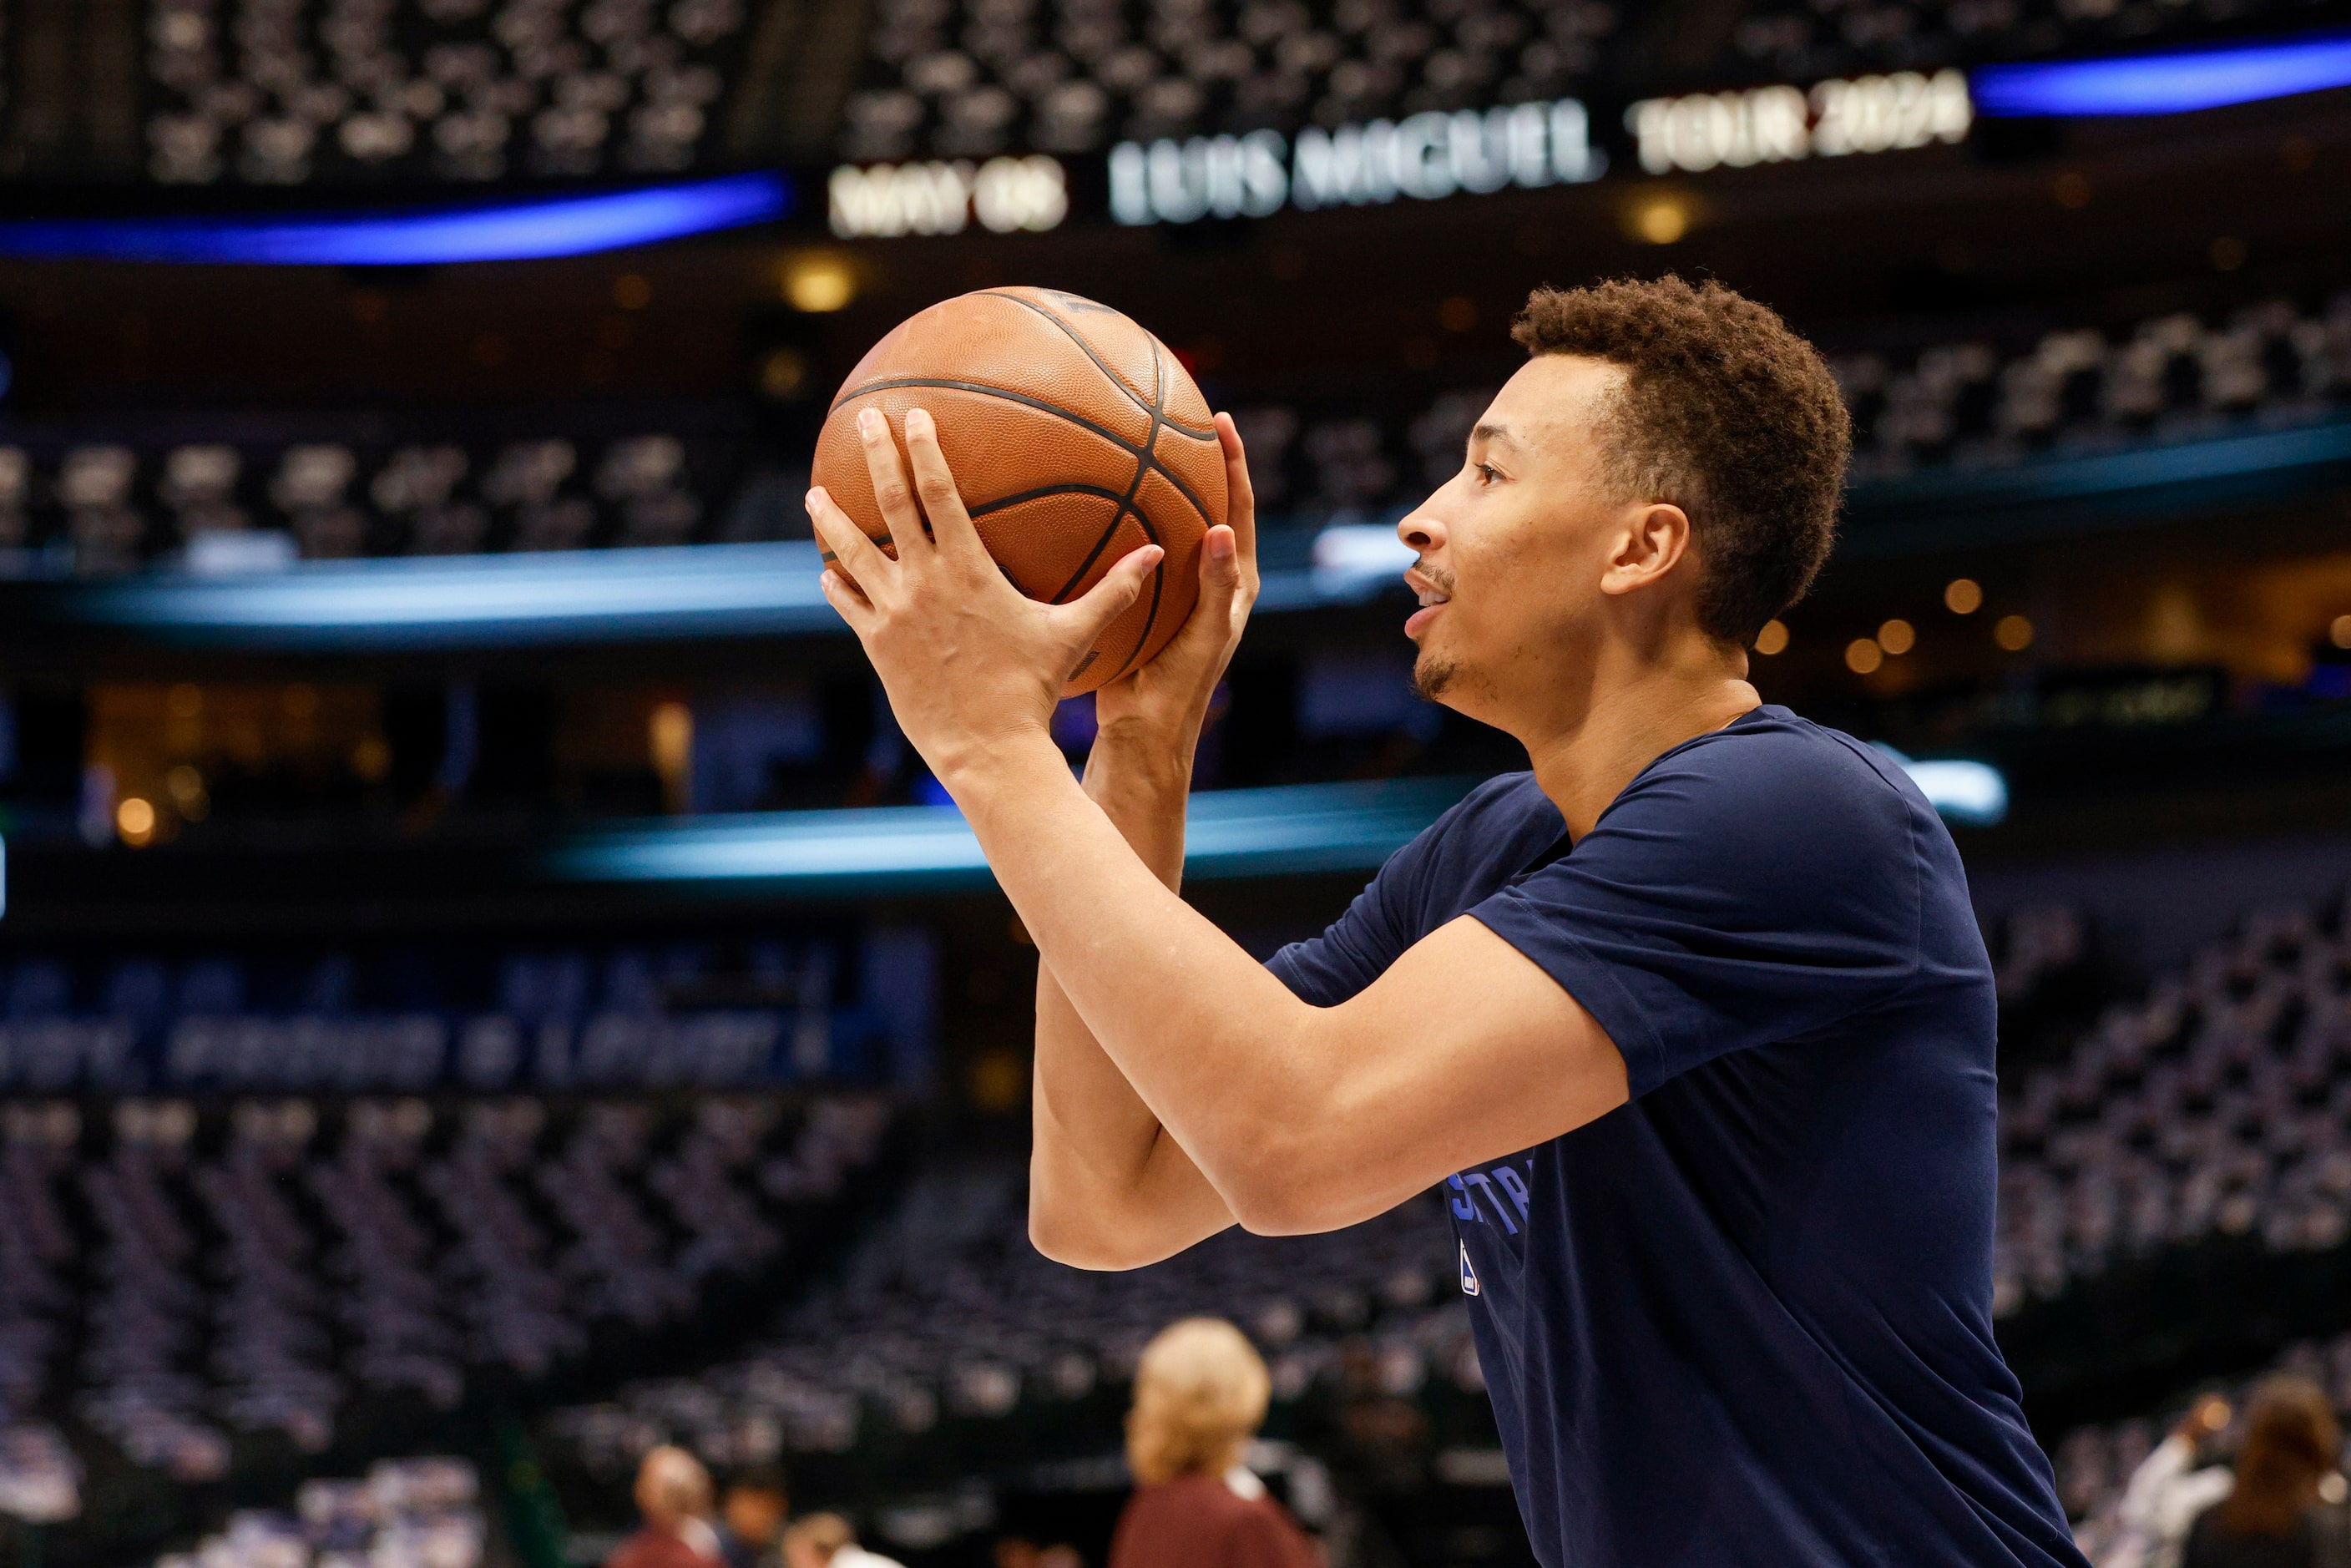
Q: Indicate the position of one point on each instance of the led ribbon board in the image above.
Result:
(2174, 82)
(504, 231)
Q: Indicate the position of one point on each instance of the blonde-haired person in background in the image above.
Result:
(674, 1496)
(1200, 1393)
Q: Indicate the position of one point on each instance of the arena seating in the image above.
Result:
(99, 507)
(262, 1318)
(971, 77)
(1946, 405)
(111, 505)
(1817, 38)
(279, 92)
(2217, 1103)
(946, 1311)
(406, 1513)
(2222, 1102)
(708, 1015)
(2175, 377)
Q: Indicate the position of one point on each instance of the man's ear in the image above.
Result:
(1656, 536)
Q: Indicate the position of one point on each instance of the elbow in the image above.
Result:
(1276, 1213)
(1273, 1187)
(1081, 1239)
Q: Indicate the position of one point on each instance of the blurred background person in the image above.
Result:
(2179, 1479)
(826, 1540)
(751, 1520)
(2276, 1513)
(1200, 1394)
(1019, 1551)
(673, 1501)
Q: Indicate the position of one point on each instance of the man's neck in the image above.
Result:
(1584, 763)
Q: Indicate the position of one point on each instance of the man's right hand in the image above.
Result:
(1148, 722)
(1108, 1188)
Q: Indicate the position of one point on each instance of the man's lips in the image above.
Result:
(1431, 599)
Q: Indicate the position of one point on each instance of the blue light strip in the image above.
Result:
(1286, 831)
(491, 601)
(1233, 832)
(507, 231)
(477, 601)
(2170, 83)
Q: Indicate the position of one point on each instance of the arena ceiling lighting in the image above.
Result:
(2170, 83)
(1974, 793)
(517, 230)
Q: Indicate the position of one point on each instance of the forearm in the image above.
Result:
(1299, 1117)
(1202, 1032)
(1108, 1188)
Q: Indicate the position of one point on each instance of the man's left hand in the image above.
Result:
(971, 664)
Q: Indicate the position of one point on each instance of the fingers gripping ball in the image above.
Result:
(1074, 436)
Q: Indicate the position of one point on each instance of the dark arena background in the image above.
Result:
(486, 989)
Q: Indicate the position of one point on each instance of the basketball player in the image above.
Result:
(1691, 1022)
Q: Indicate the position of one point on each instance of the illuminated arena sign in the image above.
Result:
(1004, 195)
(1424, 157)
(1779, 124)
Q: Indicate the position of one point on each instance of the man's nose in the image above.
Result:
(1421, 532)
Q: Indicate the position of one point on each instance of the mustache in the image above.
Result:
(1437, 577)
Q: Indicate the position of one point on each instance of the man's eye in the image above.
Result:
(1487, 473)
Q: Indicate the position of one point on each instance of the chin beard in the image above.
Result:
(1431, 676)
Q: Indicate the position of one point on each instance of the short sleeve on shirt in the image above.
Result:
(1751, 887)
(1487, 833)
(1360, 945)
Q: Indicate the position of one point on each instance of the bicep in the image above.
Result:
(1463, 1051)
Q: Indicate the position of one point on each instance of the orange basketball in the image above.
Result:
(1074, 436)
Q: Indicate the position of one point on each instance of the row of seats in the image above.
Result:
(946, 1311)
(751, 1012)
(406, 1514)
(1967, 404)
(205, 1298)
(972, 78)
(1806, 40)
(114, 505)
(109, 506)
(2219, 1104)
(2082, 389)
(281, 92)
(961, 79)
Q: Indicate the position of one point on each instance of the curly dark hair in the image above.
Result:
(1726, 413)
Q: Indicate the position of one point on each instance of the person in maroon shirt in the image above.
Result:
(674, 1496)
(1200, 1393)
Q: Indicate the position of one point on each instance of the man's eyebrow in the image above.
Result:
(1494, 433)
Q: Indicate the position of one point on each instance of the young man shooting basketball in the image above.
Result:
(1692, 1020)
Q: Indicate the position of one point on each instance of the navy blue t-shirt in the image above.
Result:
(1744, 1319)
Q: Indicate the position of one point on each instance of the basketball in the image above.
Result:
(1075, 437)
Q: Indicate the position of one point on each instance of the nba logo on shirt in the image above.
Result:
(1469, 1275)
